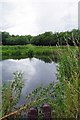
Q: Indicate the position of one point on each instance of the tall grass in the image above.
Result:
(11, 92)
(68, 76)
(25, 50)
(64, 95)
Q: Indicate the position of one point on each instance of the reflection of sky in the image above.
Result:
(35, 72)
(10, 66)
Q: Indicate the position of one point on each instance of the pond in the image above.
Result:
(35, 72)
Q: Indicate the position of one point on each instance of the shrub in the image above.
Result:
(11, 92)
(30, 53)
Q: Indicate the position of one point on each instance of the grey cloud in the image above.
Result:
(5, 26)
(50, 16)
(7, 9)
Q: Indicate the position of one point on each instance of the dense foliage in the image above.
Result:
(62, 96)
(45, 39)
(24, 51)
(11, 92)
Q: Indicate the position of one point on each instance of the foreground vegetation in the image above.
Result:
(63, 97)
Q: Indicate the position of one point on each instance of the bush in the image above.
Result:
(11, 92)
(30, 53)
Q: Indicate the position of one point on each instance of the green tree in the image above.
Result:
(5, 35)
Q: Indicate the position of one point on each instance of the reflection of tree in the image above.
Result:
(46, 59)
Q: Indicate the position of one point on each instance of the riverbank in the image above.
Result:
(25, 51)
(62, 97)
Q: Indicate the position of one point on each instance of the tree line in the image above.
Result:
(44, 39)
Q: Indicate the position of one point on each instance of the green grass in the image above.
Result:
(17, 52)
(62, 97)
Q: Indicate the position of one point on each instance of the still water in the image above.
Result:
(35, 72)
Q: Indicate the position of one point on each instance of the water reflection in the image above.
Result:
(47, 59)
(35, 72)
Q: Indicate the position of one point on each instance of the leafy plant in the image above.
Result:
(30, 53)
(11, 92)
(62, 96)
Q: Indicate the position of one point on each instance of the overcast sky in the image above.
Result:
(37, 16)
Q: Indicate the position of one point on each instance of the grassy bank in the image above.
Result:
(25, 51)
